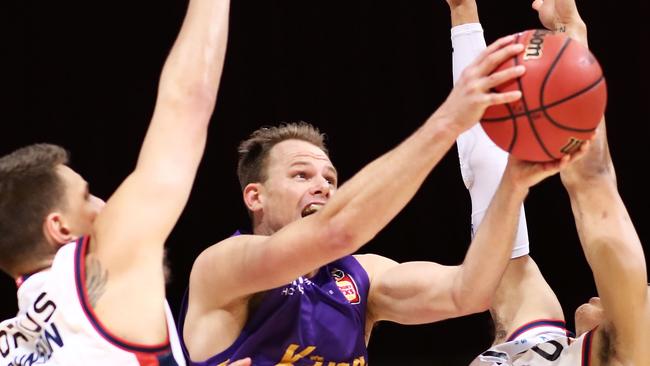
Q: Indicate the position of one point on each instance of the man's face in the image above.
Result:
(300, 180)
(80, 207)
(588, 316)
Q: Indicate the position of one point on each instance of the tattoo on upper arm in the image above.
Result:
(96, 278)
(561, 29)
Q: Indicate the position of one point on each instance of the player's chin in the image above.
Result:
(587, 317)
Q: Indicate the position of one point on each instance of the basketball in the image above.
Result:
(563, 99)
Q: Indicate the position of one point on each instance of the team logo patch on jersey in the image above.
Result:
(347, 286)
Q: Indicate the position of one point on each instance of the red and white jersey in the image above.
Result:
(540, 343)
(55, 324)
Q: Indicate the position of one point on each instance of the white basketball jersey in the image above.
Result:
(55, 325)
(539, 344)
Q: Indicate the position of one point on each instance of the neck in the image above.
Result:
(261, 228)
(32, 267)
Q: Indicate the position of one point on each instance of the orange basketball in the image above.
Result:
(564, 97)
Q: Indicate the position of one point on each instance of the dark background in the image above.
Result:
(84, 75)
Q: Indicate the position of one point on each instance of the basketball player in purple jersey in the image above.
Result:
(291, 293)
(90, 276)
(530, 327)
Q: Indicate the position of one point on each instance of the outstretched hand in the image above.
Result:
(473, 93)
(527, 173)
(562, 16)
(596, 165)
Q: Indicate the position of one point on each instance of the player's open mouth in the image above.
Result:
(311, 208)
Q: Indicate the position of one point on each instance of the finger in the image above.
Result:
(564, 162)
(502, 76)
(496, 58)
(244, 362)
(501, 98)
(581, 152)
(537, 4)
(499, 43)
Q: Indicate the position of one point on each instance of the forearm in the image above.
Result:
(604, 225)
(193, 68)
(187, 92)
(374, 196)
(384, 187)
(177, 133)
(615, 255)
(522, 296)
(478, 279)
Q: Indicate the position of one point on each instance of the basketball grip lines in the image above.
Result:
(543, 108)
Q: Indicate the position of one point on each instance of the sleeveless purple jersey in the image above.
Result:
(318, 321)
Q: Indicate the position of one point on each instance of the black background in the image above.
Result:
(84, 75)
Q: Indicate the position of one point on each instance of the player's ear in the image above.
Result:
(253, 196)
(56, 229)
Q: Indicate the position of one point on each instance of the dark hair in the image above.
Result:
(29, 189)
(254, 151)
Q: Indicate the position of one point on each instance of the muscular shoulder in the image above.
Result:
(209, 276)
(221, 251)
(374, 264)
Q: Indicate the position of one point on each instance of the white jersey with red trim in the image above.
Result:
(540, 343)
(56, 326)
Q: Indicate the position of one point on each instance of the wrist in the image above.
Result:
(577, 184)
(576, 30)
(465, 12)
(516, 188)
(444, 126)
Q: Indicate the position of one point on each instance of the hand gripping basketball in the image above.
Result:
(563, 99)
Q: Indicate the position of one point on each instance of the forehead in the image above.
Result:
(290, 151)
(69, 176)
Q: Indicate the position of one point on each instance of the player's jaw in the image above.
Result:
(588, 316)
(80, 207)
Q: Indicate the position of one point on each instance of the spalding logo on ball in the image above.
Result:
(563, 99)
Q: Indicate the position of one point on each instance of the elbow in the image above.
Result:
(341, 237)
(479, 305)
(472, 300)
(198, 99)
(473, 305)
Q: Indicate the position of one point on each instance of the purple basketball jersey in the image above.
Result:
(318, 321)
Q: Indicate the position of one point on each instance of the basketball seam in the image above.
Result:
(527, 113)
(551, 105)
(548, 76)
(550, 119)
(543, 107)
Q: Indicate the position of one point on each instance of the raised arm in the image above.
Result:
(522, 295)
(364, 205)
(422, 292)
(607, 234)
(128, 239)
(614, 253)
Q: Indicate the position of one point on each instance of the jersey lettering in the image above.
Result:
(290, 357)
(550, 356)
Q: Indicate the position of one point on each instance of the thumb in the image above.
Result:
(244, 362)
